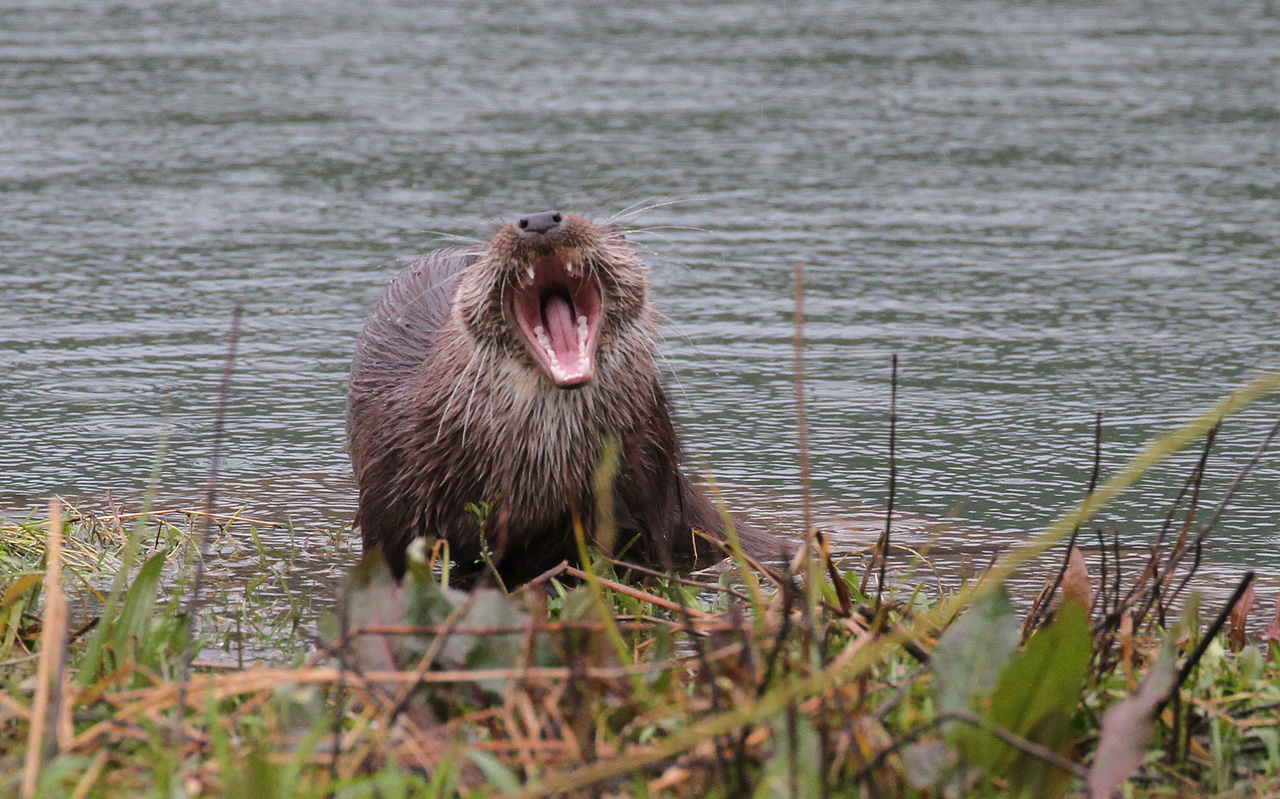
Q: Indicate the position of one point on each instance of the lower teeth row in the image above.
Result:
(544, 340)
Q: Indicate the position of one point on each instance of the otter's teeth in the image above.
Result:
(557, 369)
(529, 271)
(568, 265)
(543, 339)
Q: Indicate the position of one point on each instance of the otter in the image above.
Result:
(486, 388)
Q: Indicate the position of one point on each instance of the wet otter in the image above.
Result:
(485, 388)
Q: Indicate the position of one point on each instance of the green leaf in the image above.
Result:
(495, 773)
(795, 768)
(256, 778)
(127, 631)
(1036, 698)
(110, 645)
(15, 590)
(972, 652)
(373, 597)
(927, 763)
(11, 605)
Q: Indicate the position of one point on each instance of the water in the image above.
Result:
(1045, 209)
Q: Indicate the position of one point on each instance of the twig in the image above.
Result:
(1012, 739)
(211, 492)
(622, 622)
(1024, 745)
(882, 548)
(455, 617)
(709, 678)
(1207, 639)
(1192, 483)
(1235, 484)
(757, 566)
(547, 576)
(1162, 574)
(1103, 585)
(811, 551)
(636, 593)
(47, 703)
(142, 701)
(704, 586)
(340, 697)
(192, 512)
(1119, 570)
(1042, 603)
(802, 429)
(908, 682)
(1203, 533)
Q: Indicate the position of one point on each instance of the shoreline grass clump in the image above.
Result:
(809, 678)
(611, 681)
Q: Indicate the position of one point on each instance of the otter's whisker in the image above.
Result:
(671, 370)
(448, 405)
(662, 257)
(444, 234)
(635, 209)
(652, 228)
(466, 415)
(687, 339)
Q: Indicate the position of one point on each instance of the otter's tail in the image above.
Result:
(700, 513)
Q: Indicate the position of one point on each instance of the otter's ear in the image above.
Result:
(612, 229)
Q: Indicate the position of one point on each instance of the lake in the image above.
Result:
(1046, 210)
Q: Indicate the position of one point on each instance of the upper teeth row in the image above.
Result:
(528, 270)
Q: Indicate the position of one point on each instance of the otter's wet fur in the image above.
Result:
(448, 407)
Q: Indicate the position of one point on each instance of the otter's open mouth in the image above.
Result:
(557, 305)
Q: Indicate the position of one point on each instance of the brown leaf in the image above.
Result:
(1127, 650)
(673, 776)
(1238, 635)
(1126, 729)
(1272, 635)
(1075, 581)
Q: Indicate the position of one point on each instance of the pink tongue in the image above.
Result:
(563, 330)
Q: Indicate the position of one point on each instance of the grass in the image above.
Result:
(606, 681)
(801, 679)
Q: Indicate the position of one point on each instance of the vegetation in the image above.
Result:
(802, 679)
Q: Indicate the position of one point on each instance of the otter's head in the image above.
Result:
(555, 291)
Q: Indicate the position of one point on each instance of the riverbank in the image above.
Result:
(611, 682)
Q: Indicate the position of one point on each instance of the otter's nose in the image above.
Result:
(544, 222)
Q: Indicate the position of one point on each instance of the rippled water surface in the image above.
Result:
(1045, 209)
